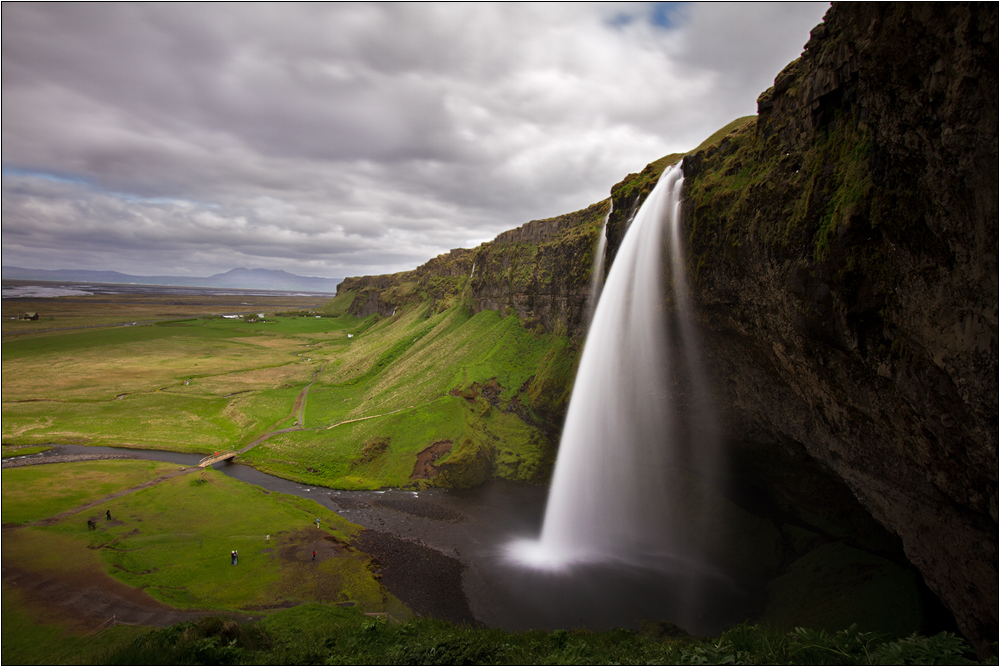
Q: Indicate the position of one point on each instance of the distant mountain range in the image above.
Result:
(240, 278)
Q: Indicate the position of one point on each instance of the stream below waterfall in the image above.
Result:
(473, 526)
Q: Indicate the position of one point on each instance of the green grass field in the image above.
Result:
(37, 492)
(483, 382)
(172, 540)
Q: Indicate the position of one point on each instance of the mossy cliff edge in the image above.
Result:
(539, 271)
(843, 253)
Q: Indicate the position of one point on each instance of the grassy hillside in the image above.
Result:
(172, 537)
(368, 395)
(468, 382)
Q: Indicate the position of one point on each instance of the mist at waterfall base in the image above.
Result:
(622, 535)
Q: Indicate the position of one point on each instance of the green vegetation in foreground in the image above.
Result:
(315, 634)
(173, 540)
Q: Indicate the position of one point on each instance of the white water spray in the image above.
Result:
(611, 499)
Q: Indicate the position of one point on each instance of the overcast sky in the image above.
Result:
(348, 139)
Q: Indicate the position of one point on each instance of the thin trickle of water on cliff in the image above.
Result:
(615, 491)
(597, 278)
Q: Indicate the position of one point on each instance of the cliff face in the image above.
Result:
(539, 271)
(438, 282)
(844, 258)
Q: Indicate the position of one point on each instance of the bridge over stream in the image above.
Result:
(215, 458)
(298, 410)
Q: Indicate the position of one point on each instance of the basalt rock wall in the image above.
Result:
(843, 253)
(539, 271)
(437, 282)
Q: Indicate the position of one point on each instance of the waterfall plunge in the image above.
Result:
(624, 440)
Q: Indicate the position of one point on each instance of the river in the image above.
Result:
(472, 527)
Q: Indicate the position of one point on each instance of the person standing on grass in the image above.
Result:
(314, 555)
(232, 557)
(317, 522)
(236, 558)
(108, 514)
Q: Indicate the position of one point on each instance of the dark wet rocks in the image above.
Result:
(346, 502)
(422, 509)
(426, 580)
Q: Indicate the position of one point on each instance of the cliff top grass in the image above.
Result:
(716, 137)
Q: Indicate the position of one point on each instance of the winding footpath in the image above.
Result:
(298, 413)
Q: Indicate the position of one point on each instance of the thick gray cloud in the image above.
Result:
(345, 139)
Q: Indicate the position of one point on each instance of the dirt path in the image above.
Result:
(361, 419)
(118, 494)
(298, 411)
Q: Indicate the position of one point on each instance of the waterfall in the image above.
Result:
(614, 493)
(597, 277)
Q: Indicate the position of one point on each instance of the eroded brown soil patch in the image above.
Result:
(91, 596)
(424, 468)
(308, 580)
